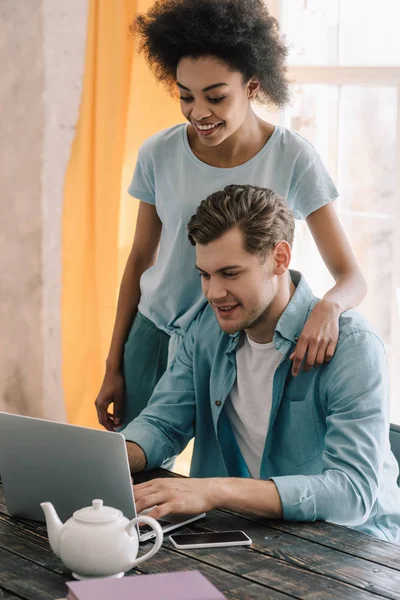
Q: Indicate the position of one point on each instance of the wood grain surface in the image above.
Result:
(313, 561)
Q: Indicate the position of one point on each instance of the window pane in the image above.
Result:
(372, 241)
(367, 149)
(342, 32)
(314, 114)
(307, 260)
(369, 32)
(311, 30)
(354, 128)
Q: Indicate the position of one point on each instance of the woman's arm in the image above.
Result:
(350, 287)
(142, 256)
(318, 339)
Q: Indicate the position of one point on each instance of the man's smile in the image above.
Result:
(226, 310)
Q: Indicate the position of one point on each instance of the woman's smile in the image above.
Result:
(206, 129)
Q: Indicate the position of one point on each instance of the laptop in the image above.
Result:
(69, 466)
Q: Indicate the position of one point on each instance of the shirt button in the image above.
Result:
(296, 339)
(218, 403)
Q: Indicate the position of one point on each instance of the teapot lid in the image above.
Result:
(97, 513)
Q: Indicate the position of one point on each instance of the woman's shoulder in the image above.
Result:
(309, 184)
(165, 140)
(295, 143)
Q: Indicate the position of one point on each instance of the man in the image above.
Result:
(311, 447)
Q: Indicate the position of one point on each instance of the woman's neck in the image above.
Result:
(239, 148)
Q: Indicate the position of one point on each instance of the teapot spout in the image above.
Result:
(53, 524)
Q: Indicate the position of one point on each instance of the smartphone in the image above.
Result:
(210, 540)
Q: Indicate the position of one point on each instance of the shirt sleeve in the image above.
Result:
(166, 425)
(354, 390)
(312, 186)
(142, 185)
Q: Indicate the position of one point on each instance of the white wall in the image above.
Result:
(42, 47)
(64, 39)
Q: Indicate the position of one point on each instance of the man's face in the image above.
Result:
(239, 286)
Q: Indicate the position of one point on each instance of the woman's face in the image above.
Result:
(213, 98)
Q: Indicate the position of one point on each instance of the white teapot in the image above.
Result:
(98, 541)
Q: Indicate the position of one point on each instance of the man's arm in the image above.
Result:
(136, 457)
(188, 496)
(353, 391)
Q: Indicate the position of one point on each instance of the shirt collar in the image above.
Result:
(293, 318)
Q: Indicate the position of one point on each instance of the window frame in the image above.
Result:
(369, 76)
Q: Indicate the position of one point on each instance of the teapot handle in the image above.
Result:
(159, 536)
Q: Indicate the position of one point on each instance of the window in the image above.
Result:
(344, 61)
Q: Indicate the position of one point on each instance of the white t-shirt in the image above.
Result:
(249, 404)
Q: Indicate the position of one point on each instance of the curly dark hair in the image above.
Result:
(239, 32)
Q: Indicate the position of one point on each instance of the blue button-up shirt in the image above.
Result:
(327, 446)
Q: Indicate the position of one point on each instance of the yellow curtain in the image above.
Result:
(121, 106)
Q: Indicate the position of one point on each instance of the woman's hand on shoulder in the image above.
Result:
(318, 340)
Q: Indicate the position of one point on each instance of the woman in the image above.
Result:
(220, 55)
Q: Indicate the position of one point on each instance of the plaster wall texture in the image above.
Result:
(64, 40)
(42, 47)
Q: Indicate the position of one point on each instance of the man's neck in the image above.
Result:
(263, 332)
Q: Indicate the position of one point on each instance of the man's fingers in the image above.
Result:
(143, 491)
(150, 500)
(141, 488)
(159, 512)
(160, 494)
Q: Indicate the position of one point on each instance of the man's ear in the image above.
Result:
(252, 88)
(282, 256)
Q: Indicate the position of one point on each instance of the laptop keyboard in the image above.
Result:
(146, 528)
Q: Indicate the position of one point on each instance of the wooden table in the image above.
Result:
(286, 560)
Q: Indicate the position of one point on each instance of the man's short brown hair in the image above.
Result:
(262, 216)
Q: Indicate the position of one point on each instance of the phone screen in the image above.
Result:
(224, 537)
